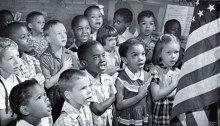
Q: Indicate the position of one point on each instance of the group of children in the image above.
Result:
(109, 76)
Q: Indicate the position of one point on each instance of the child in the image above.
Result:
(95, 18)
(30, 66)
(133, 99)
(173, 26)
(92, 57)
(56, 59)
(122, 21)
(165, 77)
(81, 30)
(35, 22)
(28, 100)
(9, 63)
(6, 17)
(75, 88)
(147, 24)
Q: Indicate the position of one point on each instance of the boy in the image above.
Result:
(30, 66)
(122, 21)
(35, 22)
(92, 56)
(75, 88)
(147, 24)
(56, 59)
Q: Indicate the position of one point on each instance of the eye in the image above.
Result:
(39, 97)
(80, 29)
(151, 23)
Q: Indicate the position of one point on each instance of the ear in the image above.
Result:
(30, 25)
(24, 110)
(127, 25)
(124, 60)
(83, 63)
(67, 95)
(48, 39)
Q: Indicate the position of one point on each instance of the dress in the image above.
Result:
(162, 108)
(137, 114)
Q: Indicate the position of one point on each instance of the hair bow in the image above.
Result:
(101, 8)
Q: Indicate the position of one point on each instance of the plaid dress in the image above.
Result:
(162, 108)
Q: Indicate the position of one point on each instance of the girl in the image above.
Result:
(132, 86)
(9, 63)
(165, 77)
(29, 102)
(95, 18)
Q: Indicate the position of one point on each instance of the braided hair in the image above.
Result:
(20, 95)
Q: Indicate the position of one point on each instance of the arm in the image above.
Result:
(122, 103)
(100, 108)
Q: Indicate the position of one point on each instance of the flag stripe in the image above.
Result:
(211, 27)
(201, 118)
(201, 61)
(195, 102)
(199, 74)
(190, 120)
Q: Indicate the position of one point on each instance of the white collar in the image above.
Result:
(133, 76)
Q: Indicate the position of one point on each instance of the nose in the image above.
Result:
(17, 61)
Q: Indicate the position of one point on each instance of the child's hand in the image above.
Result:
(142, 90)
(67, 63)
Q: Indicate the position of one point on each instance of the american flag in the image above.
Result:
(199, 81)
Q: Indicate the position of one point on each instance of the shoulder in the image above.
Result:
(106, 77)
(65, 120)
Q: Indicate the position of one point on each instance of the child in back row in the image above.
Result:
(9, 63)
(165, 77)
(28, 100)
(6, 17)
(30, 66)
(133, 96)
(147, 24)
(95, 18)
(92, 57)
(35, 22)
(75, 87)
(108, 36)
(122, 21)
(56, 59)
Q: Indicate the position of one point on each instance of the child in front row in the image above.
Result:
(95, 18)
(108, 36)
(92, 56)
(9, 63)
(75, 88)
(147, 24)
(28, 100)
(133, 97)
(165, 77)
(56, 59)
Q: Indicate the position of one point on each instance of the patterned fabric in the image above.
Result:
(102, 92)
(137, 114)
(162, 108)
(44, 122)
(125, 36)
(30, 68)
(39, 46)
(69, 116)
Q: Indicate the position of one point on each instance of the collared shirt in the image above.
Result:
(39, 46)
(9, 83)
(134, 77)
(125, 36)
(51, 64)
(102, 92)
(44, 122)
(30, 68)
(69, 114)
(112, 58)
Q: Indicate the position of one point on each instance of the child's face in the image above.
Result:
(170, 54)
(10, 61)
(82, 31)
(135, 58)
(146, 26)
(174, 29)
(110, 43)
(119, 24)
(95, 59)
(39, 104)
(95, 19)
(37, 24)
(22, 39)
(8, 19)
(81, 93)
(57, 35)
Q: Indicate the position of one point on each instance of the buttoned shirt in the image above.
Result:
(102, 91)
(125, 36)
(30, 68)
(69, 114)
